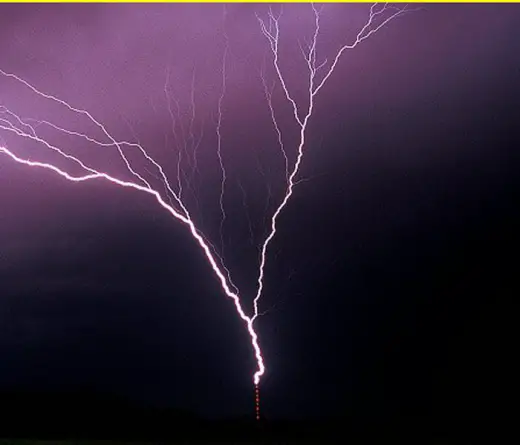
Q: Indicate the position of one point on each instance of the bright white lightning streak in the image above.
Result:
(184, 217)
(195, 145)
(86, 137)
(271, 31)
(83, 112)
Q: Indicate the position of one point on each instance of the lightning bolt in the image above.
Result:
(318, 74)
(270, 28)
(12, 123)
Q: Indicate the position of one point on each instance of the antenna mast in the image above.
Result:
(257, 402)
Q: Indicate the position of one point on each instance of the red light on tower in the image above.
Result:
(257, 402)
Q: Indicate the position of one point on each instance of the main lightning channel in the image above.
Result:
(316, 80)
(142, 185)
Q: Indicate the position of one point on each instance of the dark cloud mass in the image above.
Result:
(388, 280)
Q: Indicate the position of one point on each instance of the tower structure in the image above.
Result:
(257, 402)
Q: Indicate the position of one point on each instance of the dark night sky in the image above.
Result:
(394, 263)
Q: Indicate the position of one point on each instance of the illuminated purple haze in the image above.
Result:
(164, 87)
(318, 71)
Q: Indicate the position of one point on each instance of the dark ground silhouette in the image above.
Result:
(95, 416)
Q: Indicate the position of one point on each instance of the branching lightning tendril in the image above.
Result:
(317, 75)
(271, 30)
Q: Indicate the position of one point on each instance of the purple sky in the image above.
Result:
(426, 76)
